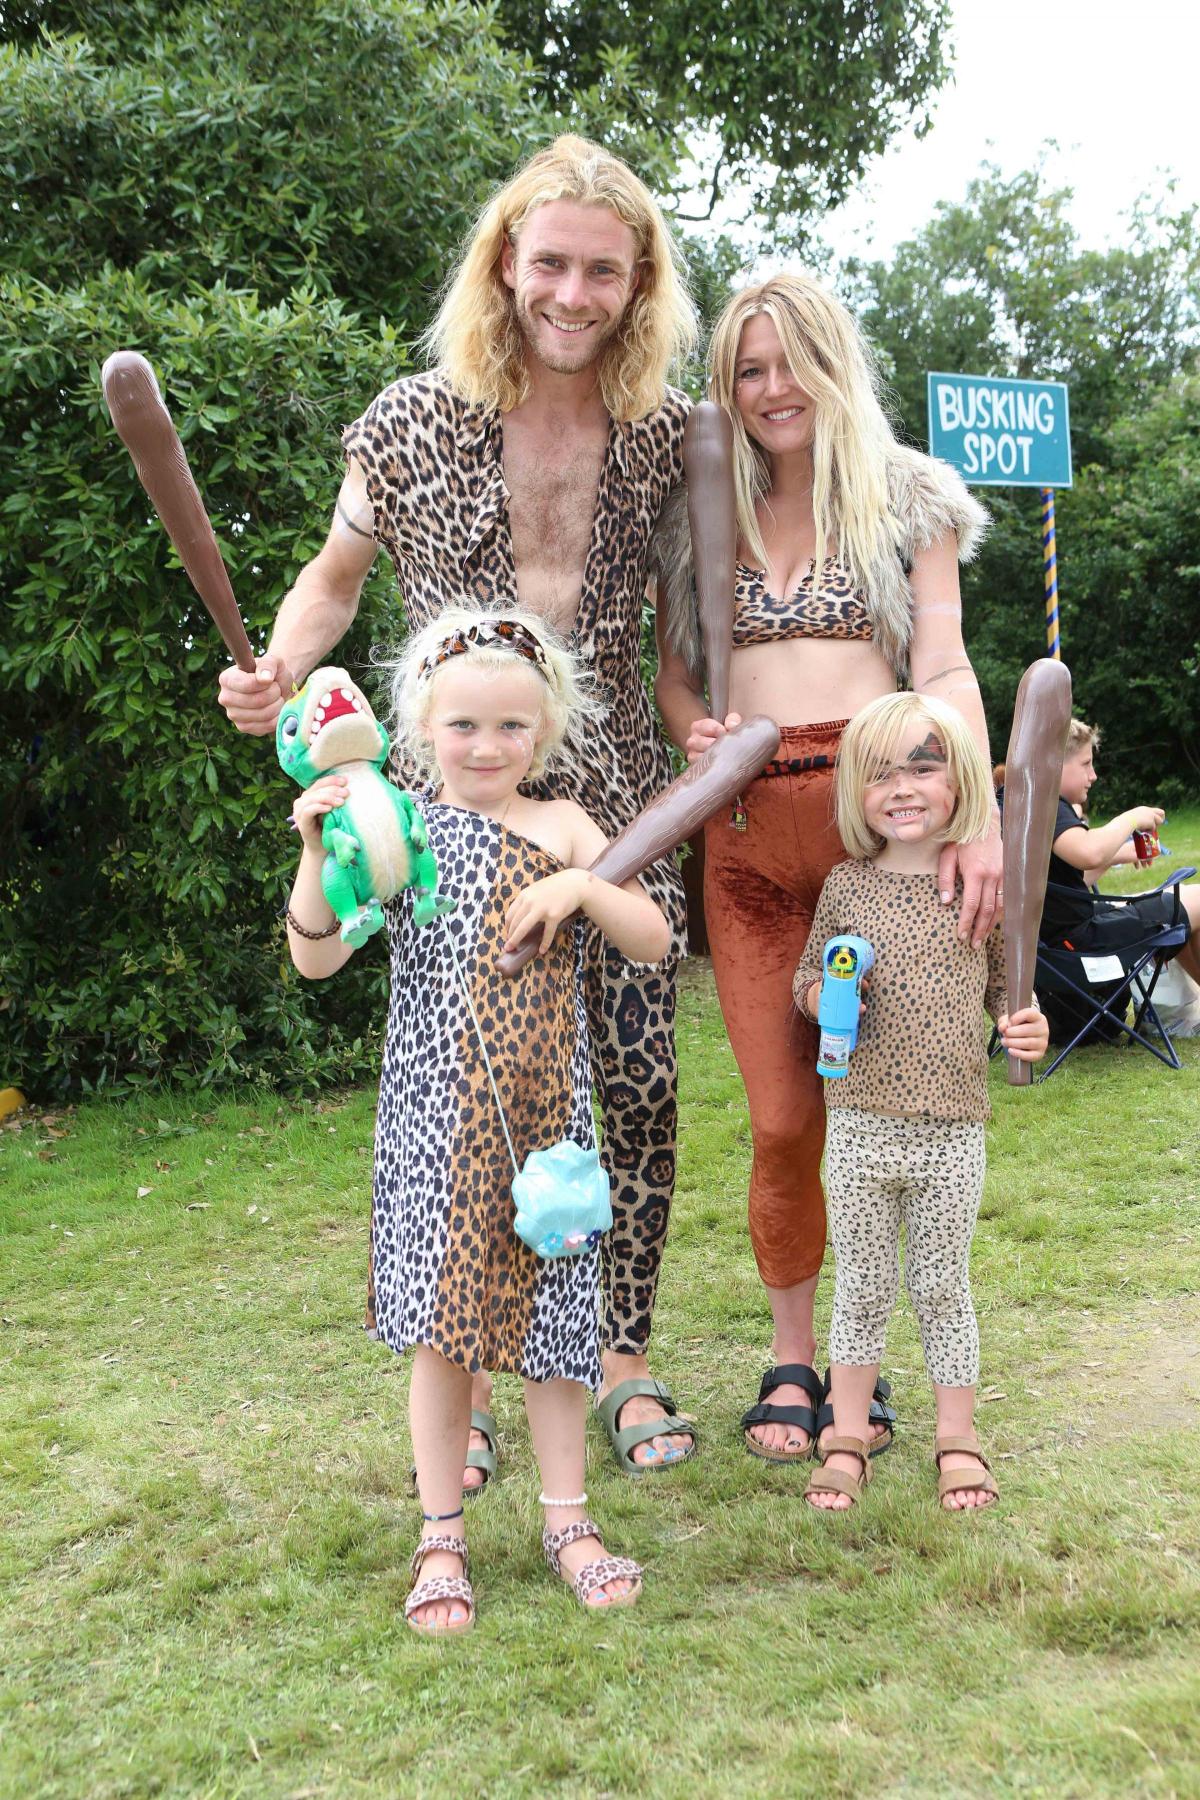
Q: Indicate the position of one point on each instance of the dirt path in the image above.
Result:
(1152, 1355)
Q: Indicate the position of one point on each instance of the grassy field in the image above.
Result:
(204, 1524)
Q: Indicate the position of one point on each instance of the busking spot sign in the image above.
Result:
(1001, 433)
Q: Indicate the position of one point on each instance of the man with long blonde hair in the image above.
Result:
(528, 466)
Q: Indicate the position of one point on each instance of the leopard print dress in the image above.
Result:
(450, 1271)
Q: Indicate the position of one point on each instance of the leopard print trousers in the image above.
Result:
(631, 1025)
(927, 1173)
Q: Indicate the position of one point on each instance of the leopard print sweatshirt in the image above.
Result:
(921, 1049)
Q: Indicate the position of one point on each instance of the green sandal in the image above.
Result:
(485, 1425)
(625, 1439)
(486, 1460)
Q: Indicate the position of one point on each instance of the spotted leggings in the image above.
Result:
(928, 1174)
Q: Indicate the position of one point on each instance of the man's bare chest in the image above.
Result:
(553, 493)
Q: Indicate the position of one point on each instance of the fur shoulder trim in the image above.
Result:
(670, 563)
(928, 499)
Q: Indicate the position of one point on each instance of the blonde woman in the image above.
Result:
(529, 465)
(847, 587)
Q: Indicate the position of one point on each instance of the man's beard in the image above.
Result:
(565, 362)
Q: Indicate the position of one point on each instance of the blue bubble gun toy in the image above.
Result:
(844, 962)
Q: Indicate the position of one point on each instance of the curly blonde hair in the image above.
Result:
(831, 360)
(476, 337)
(567, 704)
(870, 742)
(1080, 737)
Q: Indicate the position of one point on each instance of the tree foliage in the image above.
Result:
(1000, 285)
(146, 852)
(786, 103)
(338, 147)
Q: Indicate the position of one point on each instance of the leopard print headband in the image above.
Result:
(510, 632)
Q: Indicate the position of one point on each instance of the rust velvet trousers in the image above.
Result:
(761, 888)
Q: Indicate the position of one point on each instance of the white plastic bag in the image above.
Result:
(1177, 1001)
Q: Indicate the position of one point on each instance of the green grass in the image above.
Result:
(204, 1526)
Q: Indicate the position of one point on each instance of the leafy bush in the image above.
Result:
(146, 850)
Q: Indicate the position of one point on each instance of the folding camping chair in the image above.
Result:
(1098, 986)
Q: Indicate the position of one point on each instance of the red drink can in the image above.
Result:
(1146, 845)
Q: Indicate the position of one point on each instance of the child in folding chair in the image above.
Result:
(1076, 917)
(905, 1124)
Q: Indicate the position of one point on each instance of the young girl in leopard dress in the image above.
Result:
(483, 702)
(905, 1123)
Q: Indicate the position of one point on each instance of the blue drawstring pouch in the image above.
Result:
(562, 1197)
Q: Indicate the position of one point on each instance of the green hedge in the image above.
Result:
(145, 846)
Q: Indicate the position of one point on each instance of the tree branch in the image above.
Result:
(713, 197)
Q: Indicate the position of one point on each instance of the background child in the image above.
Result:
(1082, 855)
(483, 701)
(905, 1125)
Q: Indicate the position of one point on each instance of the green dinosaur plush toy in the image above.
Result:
(376, 843)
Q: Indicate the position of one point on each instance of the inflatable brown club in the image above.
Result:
(145, 428)
(1032, 776)
(704, 788)
(712, 518)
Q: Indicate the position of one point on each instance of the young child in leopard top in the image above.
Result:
(905, 1124)
(483, 701)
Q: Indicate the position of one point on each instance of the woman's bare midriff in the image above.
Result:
(804, 681)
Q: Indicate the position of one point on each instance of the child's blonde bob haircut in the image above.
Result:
(878, 736)
(476, 337)
(566, 699)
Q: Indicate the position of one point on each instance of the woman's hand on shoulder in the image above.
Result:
(705, 732)
(981, 868)
(324, 796)
(543, 906)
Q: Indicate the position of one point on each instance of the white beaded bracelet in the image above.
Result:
(576, 1500)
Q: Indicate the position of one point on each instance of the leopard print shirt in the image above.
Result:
(435, 477)
(921, 1050)
(837, 610)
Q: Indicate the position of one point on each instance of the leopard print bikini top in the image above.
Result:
(837, 611)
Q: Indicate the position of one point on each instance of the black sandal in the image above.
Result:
(803, 1417)
(880, 1414)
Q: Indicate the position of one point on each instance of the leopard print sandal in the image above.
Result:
(440, 1587)
(593, 1575)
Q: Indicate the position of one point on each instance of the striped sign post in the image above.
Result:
(1050, 571)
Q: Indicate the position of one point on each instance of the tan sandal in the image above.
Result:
(593, 1575)
(952, 1481)
(835, 1481)
(439, 1587)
